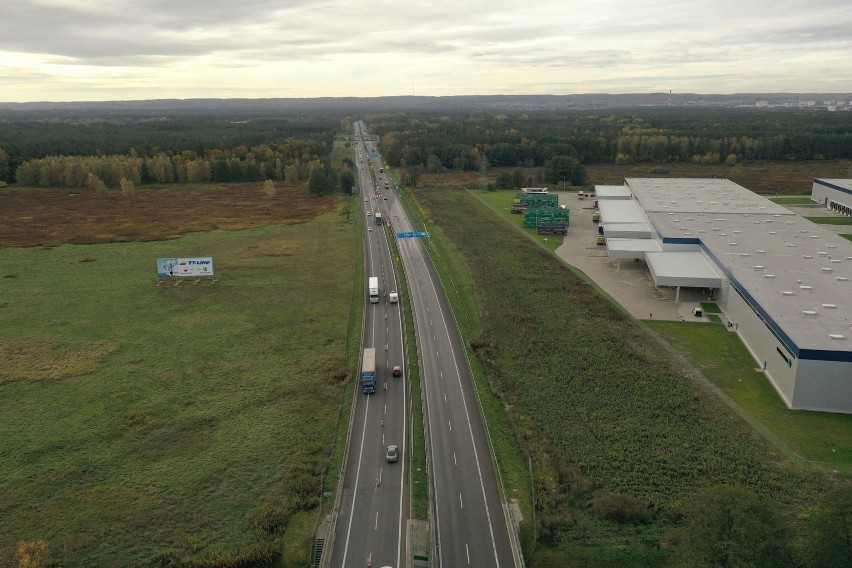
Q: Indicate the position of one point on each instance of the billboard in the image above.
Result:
(199, 266)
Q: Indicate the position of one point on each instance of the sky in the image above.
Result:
(95, 50)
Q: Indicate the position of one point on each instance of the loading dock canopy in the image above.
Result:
(613, 192)
(631, 248)
(621, 211)
(690, 269)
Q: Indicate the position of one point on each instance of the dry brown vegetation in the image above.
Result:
(769, 178)
(45, 360)
(54, 216)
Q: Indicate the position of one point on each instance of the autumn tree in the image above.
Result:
(128, 188)
(269, 188)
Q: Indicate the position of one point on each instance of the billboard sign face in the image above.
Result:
(199, 266)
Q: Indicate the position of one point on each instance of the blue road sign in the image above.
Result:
(410, 235)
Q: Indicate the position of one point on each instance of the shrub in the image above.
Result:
(620, 508)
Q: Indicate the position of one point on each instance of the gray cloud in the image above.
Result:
(319, 43)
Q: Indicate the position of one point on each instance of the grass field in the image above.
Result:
(501, 200)
(140, 421)
(814, 436)
(793, 200)
(596, 402)
(830, 220)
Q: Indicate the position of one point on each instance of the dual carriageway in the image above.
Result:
(469, 520)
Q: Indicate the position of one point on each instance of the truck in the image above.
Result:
(378, 218)
(368, 371)
(374, 289)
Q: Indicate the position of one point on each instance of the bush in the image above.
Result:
(620, 508)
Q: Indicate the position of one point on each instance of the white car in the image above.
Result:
(369, 214)
(392, 454)
(369, 228)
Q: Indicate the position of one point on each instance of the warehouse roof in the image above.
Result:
(844, 185)
(795, 274)
(612, 192)
(682, 269)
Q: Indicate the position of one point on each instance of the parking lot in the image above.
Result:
(628, 282)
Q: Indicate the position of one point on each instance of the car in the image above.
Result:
(392, 453)
(386, 197)
(369, 228)
(369, 214)
(365, 200)
(397, 370)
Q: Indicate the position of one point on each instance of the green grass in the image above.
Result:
(831, 220)
(847, 236)
(596, 401)
(500, 201)
(220, 403)
(710, 308)
(793, 200)
(814, 436)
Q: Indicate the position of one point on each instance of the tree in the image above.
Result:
(829, 541)
(4, 166)
(95, 183)
(322, 180)
(347, 181)
(128, 190)
(564, 168)
(730, 527)
(269, 188)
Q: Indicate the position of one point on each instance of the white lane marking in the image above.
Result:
(455, 462)
(445, 397)
(451, 425)
(376, 527)
(442, 376)
(357, 477)
(386, 408)
(467, 551)
(470, 431)
(461, 503)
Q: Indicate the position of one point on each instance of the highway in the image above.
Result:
(470, 522)
(371, 520)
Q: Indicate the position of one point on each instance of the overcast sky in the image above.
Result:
(68, 50)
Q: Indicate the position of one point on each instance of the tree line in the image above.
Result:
(290, 162)
(531, 139)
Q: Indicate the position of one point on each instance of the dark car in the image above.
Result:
(397, 371)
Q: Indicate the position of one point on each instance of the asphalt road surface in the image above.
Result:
(471, 524)
(371, 521)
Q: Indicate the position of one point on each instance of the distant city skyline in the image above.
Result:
(82, 50)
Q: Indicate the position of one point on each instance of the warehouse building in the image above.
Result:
(835, 194)
(782, 282)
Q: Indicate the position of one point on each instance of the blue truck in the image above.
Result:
(368, 370)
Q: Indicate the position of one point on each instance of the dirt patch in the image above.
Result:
(55, 216)
(47, 360)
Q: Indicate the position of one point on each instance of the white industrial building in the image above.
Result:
(835, 194)
(782, 282)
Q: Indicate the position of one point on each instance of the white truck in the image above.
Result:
(374, 289)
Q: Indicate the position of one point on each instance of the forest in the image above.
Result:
(437, 142)
(63, 147)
